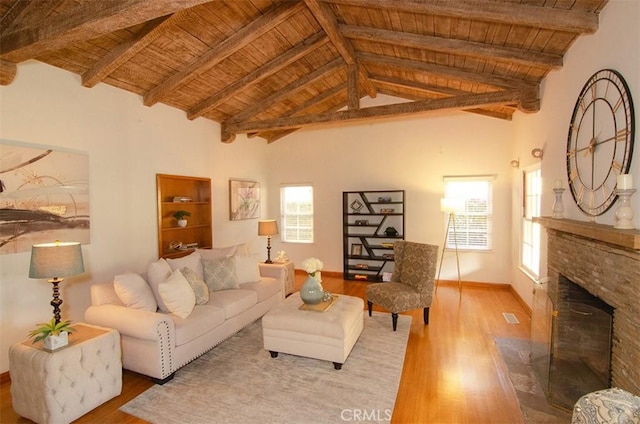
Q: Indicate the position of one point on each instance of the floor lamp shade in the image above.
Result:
(54, 261)
(268, 227)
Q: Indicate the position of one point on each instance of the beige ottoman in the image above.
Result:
(328, 335)
(61, 386)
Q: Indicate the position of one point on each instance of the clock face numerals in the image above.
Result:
(600, 141)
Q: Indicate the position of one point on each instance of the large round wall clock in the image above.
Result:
(600, 141)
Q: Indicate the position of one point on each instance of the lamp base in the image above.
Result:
(56, 302)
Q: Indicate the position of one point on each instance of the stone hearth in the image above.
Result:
(605, 262)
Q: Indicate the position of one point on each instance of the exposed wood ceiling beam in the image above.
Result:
(446, 71)
(8, 72)
(265, 71)
(575, 21)
(24, 14)
(223, 50)
(287, 90)
(449, 45)
(125, 51)
(468, 101)
(90, 20)
(329, 24)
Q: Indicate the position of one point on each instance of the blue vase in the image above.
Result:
(311, 291)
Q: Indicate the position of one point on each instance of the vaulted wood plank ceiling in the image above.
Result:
(270, 67)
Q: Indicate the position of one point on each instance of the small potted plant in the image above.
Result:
(180, 217)
(54, 335)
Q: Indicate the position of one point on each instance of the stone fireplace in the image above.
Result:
(605, 262)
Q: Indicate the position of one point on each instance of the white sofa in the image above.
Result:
(156, 340)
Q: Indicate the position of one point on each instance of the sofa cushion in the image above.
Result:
(177, 294)
(264, 288)
(234, 302)
(203, 318)
(157, 273)
(197, 284)
(192, 261)
(220, 274)
(247, 269)
(134, 292)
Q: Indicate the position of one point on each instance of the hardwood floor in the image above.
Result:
(453, 372)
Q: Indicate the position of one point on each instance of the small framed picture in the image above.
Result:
(362, 222)
(356, 249)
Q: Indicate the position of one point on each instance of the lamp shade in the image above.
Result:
(56, 260)
(451, 205)
(267, 227)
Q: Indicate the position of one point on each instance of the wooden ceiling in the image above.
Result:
(270, 67)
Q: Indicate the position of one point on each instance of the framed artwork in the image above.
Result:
(44, 196)
(244, 200)
(356, 249)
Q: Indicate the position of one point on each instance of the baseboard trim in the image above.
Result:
(520, 300)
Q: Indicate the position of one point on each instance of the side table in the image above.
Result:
(61, 386)
(287, 273)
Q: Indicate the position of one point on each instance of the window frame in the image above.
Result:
(284, 229)
(530, 231)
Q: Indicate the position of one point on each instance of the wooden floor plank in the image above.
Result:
(453, 371)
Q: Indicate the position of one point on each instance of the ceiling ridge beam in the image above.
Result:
(90, 20)
(287, 90)
(224, 49)
(268, 69)
(328, 22)
(470, 101)
(126, 50)
(447, 71)
(574, 21)
(458, 47)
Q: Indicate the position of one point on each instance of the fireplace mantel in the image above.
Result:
(629, 239)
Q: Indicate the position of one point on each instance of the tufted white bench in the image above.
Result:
(328, 335)
(61, 386)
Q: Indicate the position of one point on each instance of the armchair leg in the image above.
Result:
(394, 318)
(370, 307)
(426, 316)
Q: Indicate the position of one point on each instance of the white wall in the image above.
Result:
(615, 45)
(127, 144)
(410, 154)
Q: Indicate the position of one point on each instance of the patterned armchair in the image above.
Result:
(412, 282)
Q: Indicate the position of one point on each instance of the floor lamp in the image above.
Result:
(450, 206)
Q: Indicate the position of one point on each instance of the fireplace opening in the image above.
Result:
(580, 357)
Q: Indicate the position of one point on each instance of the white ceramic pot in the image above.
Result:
(182, 223)
(52, 342)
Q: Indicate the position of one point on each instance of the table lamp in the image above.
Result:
(268, 227)
(54, 261)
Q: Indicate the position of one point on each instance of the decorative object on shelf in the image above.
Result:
(175, 245)
(356, 249)
(362, 222)
(55, 335)
(54, 261)
(558, 207)
(312, 291)
(182, 199)
(180, 217)
(451, 206)
(391, 231)
(624, 214)
(356, 206)
(244, 200)
(282, 257)
(362, 266)
(387, 210)
(384, 199)
(268, 227)
(600, 141)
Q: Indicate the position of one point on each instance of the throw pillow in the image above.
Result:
(192, 261)
(134, 292)
(198, 285)
(177, 295)
(247, 269)
(157, 273)
(220, 274)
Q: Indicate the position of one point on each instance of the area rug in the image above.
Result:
(533, 402)
(239, 382)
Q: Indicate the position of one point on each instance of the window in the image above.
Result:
(473, 221)
(296, 209)
(532, 187)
